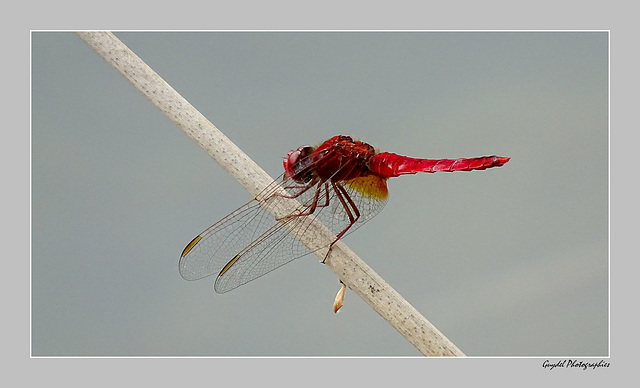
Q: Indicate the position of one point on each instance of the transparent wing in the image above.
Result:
(212, 249)
(249, 242)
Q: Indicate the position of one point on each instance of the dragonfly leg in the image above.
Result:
(316, 197)
(352, 212)
(302, 190)
(310, 209)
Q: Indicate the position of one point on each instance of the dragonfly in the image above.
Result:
(342, 183)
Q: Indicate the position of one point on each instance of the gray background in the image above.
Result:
(505, 262)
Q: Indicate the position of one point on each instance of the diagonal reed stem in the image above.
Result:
(349, 268)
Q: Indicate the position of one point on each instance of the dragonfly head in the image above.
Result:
(296, 164)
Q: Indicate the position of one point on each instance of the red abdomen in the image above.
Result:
(387, 165)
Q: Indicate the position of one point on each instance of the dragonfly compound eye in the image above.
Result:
(297, 164)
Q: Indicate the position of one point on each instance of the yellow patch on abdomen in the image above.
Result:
(370, 186)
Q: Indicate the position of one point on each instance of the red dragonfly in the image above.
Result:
(342, 183)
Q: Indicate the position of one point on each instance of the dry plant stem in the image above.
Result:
(350, 268)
